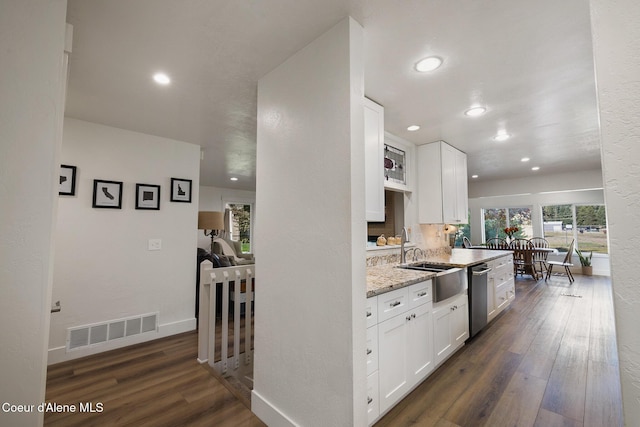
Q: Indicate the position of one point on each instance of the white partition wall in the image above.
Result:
(32, 42)
(310, 332)
(616, 40)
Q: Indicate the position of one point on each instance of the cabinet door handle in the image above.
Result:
(369, 400)
(395, 303)
(408, 317)
(369, 351)
(413, 315)
(369, 314)
(421, 294)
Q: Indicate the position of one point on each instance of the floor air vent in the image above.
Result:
(100, 333)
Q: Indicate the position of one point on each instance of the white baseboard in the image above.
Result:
(60, 354)
(268, 413)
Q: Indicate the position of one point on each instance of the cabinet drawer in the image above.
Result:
(392, 303)
(502, 296)
(371, 309)
(420, 293)
(373, 405)
(372, 349)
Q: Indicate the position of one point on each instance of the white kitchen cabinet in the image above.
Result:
(420, 344)
(450, 327)
(500, 286)
(393, 336)
(399, 155)
(374, 160)
(442, 184)
(373, 403)
(405, 346)
(372, 349)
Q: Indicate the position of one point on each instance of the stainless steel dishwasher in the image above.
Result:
(477, 298)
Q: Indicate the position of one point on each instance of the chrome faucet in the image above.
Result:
(403, 240)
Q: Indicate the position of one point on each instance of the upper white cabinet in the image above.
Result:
(374, 160)
(442, 184)
(398, 166)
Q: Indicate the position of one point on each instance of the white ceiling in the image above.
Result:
(529, 63)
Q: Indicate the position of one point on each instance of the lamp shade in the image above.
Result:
(209, 220)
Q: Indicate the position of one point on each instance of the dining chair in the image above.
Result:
(466, 243)
(497, 243)
(540, 257)
(566, 263)
(523, 261)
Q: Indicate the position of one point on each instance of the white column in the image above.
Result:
(310, 236)
(616, 39)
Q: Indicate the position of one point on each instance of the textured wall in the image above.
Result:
(616, 37)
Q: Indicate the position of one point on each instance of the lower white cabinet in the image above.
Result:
(451, 327)
(373, 406)
(405, 348)
(500, 286)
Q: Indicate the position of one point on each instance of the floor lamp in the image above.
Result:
(211, 221)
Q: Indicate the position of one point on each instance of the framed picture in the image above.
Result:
(107, 194)
(148, 196)
(180, 190)
(67, 180)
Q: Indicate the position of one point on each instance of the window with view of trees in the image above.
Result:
(584, 223)
(497, 219)
(240, 224)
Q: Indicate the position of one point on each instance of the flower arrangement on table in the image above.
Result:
(510, 231)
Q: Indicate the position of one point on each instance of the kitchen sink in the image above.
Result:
(449, 281)
(427, 267)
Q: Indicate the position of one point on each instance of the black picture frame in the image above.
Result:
(181, 190)
(67, 180)
(148, 197)
(107, 194)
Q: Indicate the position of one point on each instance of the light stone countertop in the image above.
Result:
(467, 257)
(385, 278)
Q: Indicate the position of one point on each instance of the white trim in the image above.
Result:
(269, 414)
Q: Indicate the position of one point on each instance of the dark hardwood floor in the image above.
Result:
(549, 360)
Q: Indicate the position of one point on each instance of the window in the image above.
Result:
(497, 219)
(591, 222)
(584, 223)
(239, 225)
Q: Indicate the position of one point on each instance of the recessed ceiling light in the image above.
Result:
(233, 178)
(413, 128)
(161, 79)
(474, 176)
(525, 159)
(535, 168)
(501, 136)
(428, 64)
(475, 111)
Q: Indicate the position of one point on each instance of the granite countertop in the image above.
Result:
(466, 257)
(385, 278)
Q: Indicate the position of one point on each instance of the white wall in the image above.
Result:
(616, 39)
(214, 199)
(32, 35)
(103, 268)
(587, 179)
(310, 330)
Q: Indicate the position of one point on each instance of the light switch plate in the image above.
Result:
(155, 244)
